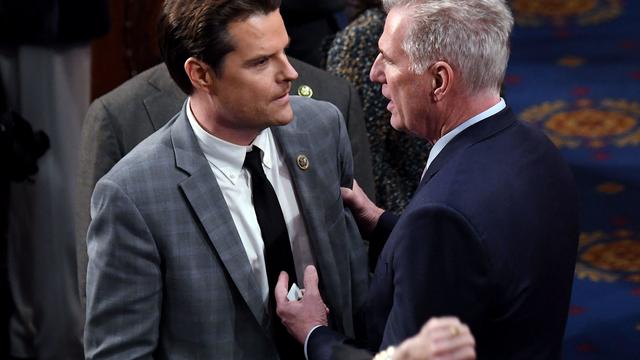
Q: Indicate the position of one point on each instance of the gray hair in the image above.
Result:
(470, 35)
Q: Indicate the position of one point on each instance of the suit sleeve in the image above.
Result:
(99, 151)
(381, 233)
(439, 268)
(124, 289)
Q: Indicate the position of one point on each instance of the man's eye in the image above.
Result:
(261, 61)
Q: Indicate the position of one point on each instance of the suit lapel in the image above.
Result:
(472, 135)
(205, 197)
(293, 142)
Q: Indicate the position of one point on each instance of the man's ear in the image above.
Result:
(442, 79)
(199, 73)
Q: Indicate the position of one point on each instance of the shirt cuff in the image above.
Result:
(306, 340)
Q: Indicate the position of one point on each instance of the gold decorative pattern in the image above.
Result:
(590, 123)
(587, 123)
(622, 255)
(609, 257)
(559, 12)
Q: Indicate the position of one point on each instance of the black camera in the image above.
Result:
(20, 147)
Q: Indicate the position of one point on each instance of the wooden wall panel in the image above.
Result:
(131, 46)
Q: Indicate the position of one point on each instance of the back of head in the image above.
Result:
(198, 28)
(470, 35)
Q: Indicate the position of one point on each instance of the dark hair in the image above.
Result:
(199, 28)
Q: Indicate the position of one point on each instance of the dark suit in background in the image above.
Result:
(119, 120)
(310, 24)
(490, 236)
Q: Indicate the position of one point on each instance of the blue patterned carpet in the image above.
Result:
(575, 73)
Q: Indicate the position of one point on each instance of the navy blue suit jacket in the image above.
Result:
(490, 236)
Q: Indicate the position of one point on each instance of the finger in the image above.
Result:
(446, 333)
(280, 291)
(347, 195)
(443, 327)
(443, 321)
(463, 353)
(451, 346)
(311, 280)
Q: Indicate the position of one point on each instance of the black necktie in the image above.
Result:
(277, 248)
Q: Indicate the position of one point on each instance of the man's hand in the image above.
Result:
(439, 338)
(365, 211)
(299, 317)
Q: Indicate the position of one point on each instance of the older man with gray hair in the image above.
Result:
(491, 234)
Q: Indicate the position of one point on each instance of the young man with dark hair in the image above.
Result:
(183, 256)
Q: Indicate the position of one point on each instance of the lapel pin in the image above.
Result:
(305, 90)
(303, 162)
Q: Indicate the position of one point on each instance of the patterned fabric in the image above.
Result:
(575, 74)
(398, 159)
(167, 274)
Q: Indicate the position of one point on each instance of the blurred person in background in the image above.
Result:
(45, 70)
(398, 158)
(310, 25)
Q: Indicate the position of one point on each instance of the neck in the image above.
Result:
(472, 105)
(217, 124)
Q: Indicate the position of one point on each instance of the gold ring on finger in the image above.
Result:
(454, 330)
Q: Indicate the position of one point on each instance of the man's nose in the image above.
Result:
(289, 73)
(375, 74)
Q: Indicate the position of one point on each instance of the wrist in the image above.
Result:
(372, 219)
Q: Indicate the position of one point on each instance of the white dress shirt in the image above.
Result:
(226, 160)
(443, 141)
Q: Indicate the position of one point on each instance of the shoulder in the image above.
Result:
(137, 85)
(155, 80)
(320, 119)
(149, 157)
(324, 85)
(309, 111)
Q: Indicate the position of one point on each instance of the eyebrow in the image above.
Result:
(384, 55)
(254, 59)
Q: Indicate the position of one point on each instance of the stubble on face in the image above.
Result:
(251, 92)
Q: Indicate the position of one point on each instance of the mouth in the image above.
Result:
(283, 97)
(391, 106)
(384, 90)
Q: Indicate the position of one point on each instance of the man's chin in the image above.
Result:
(283, 118)
(397, 123)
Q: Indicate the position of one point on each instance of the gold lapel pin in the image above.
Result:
(303, 162)
(305, 90)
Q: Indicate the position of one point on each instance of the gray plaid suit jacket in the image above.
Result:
(119, 120)
(168, 276)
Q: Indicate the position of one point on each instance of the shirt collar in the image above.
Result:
(443, 141)
(225, 156)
